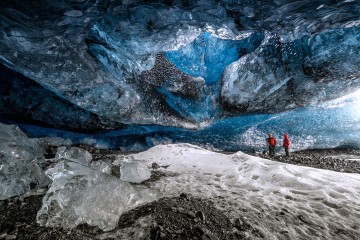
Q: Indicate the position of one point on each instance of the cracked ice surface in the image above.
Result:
(102, 166)
(93, 54)
(19, 159)
(124, 48)
(81, 195)
(74, 154)
(294, 74)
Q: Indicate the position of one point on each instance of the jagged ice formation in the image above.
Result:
(114, 64)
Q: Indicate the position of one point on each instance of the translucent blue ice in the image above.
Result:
(334, 124)
(207, 56)
(186, 64)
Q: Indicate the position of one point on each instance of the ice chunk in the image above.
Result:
(102, 166)
(56, 141)
(19, 158)
(135, 171)
(81, 195)
(15, 144)
(74, 154)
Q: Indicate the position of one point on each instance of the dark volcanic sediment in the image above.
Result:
(339, 160)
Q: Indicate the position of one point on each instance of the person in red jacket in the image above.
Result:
(286, 144)
(272, 143)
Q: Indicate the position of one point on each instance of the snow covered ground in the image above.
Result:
(283, 201)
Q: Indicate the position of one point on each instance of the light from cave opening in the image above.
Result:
(356, 105)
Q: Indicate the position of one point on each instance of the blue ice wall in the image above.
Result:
(207, 56)
(147, 65)
(335, 124)
(199, 110)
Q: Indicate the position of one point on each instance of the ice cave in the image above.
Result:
(138, 119)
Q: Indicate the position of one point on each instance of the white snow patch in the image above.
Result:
(327, 200)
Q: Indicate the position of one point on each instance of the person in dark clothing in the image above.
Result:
(272, 143)
(286, 144)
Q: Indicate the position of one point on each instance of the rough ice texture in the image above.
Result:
(102, 166)
(134, 171)
(56, 141)
(294, 74)
(329, 125)
(19, 159)
(80, 195)
(93, 55)
(74, 154)
(24, 100)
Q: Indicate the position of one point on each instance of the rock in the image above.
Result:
(155, 233)
(199, 230)
(10, 237)
(155, 165)
(241, 224)
(183, 196)
(191, 214)
(209, 236)
(238, 223)
(180, 209)
(200, 215)
(302, 218)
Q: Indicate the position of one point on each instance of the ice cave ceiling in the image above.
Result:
(87, 65)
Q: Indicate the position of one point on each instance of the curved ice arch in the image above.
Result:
(279, 76)
(63, 65)
(129, 39)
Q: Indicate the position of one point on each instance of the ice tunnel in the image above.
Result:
(220, 74)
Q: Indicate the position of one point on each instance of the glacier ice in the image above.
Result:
(24, 100)
(102, 166)
(74, 154)
(80, 195)
(134, 171)
(329, 125)
(55, 141)
(294, 74)
(20, 157)
(207, 56)
(111, 93)
(93, 57)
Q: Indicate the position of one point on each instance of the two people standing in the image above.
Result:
(271, 140)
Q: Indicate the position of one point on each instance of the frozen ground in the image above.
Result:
(208, 195)
(347, 157)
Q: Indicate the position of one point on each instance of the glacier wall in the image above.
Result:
(330, 125)
(185, 64)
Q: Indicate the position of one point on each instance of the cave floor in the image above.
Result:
(182, 217)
